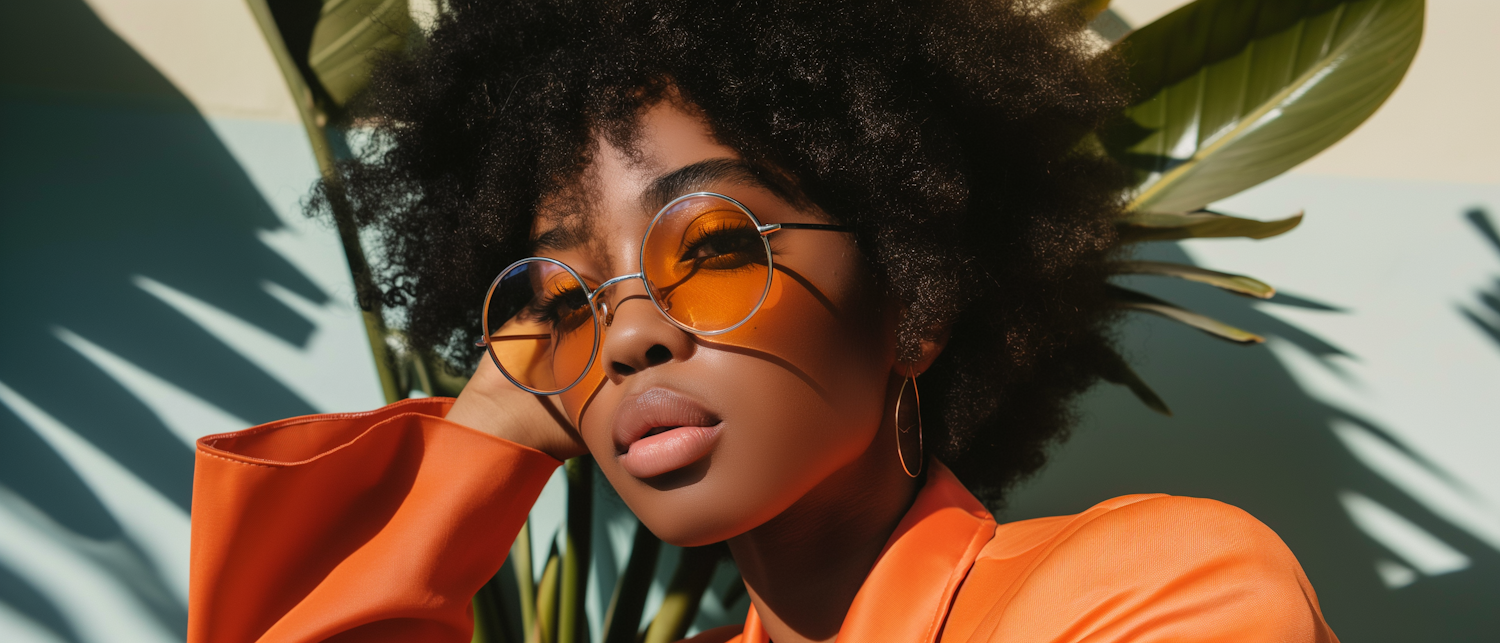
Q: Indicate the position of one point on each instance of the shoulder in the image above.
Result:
(1178, 531)
(1180, 567)
(1139, 543)
(1175, 526)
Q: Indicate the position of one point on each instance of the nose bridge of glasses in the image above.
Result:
(604, 309)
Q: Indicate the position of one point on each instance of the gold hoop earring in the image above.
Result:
(911, 378)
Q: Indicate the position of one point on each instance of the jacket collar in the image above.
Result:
(908, 593)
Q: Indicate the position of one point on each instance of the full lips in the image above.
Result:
(661, 430)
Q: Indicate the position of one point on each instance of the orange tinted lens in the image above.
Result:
(540, 327)
(706, 263)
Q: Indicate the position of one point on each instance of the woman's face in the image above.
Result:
(707, 437)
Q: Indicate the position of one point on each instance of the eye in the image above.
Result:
(723, 245)
(564, 307)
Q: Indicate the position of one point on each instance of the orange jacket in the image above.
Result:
(381, 526)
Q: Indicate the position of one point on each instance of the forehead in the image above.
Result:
(672, 153)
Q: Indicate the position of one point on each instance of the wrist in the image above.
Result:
(509, 423)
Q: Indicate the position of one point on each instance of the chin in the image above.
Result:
(689, 507)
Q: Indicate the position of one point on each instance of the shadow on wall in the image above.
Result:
(1385, 565)
(118, 200)
(1487, 299)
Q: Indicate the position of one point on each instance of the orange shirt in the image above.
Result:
(381, 526)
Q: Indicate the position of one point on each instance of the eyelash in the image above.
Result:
(546, 309)
(722, 231)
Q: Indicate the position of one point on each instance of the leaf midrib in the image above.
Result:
(1266, 107)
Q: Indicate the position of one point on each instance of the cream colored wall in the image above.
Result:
(1440, 124)
(211, 50)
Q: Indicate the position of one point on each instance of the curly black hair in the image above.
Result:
(951, 134)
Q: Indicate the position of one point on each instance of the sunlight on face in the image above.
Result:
(708, 436)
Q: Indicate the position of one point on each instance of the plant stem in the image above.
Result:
(314, 121)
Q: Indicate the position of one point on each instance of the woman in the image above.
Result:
(730, 240)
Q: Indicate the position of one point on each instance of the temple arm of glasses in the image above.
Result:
(505, 338)
(773, 227)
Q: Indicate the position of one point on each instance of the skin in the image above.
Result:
(802, 476)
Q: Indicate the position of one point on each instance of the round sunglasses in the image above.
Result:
(706, 264)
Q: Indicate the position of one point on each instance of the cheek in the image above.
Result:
(820, 323)
(821, 381)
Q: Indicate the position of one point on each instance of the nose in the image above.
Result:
(636, 335)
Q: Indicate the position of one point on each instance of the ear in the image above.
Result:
(930, 348)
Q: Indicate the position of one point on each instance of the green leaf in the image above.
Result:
(575, 564)
(1118, 371)
(349, 36)
(1169, 226)
(622, 620)
(520, 555)
(545, 624)
(1237, 284)
(1234, 92)
(694, 570)
(1090, 9)
(489, 615)
(1132, 300)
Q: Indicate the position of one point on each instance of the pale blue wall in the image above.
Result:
(1364, 432)
(161, 284)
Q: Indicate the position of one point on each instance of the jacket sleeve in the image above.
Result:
(1164, 569)
(376, 526)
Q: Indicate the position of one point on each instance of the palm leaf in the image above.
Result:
(350, 34)
(1234, 92)
(1090, 9)
(1168, 226)
(520, 555)
(1132, 300)
(623, 618)
(545, 624)
(575, 563)
(694, 570)
(490, 624)
(1238, 284)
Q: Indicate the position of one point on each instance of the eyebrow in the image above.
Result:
(687, 179)
(698, 176)
(561, 237)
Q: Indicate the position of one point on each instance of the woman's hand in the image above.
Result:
(492, 404)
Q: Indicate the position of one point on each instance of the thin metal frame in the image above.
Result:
(765, 230)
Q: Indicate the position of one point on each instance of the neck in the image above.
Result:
(804, 567)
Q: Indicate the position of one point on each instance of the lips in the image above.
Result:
(660, 431)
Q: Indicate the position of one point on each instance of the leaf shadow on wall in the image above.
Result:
(109, 175)
(1488, 300)
(1245, 432)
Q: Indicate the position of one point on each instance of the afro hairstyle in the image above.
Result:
(950, 134)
